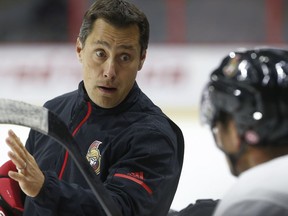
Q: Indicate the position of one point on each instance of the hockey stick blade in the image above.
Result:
(45, 122)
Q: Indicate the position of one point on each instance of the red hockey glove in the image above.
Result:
(10, 193)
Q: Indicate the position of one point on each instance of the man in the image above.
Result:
(135, 149)
(246, 105)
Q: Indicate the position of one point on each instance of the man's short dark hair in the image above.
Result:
(118, 13)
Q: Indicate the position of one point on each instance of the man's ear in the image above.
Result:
(79, 49)
(142, 59)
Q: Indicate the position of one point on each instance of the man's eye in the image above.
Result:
(100, 53)
(125, 57)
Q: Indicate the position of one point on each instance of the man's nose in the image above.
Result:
(110, 71)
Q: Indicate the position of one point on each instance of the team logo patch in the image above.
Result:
(94, 156)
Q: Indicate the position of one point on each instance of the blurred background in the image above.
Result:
(188, 40)
(181, 21)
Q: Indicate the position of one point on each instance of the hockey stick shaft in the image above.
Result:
(45, 122)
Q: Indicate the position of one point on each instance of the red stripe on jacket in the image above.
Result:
(136, 180)
(73, 134)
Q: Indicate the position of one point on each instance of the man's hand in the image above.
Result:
(29, 175)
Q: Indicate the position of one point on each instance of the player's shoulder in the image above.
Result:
(255, 207)
(61, 99)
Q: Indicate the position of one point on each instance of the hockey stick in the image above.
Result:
(45, 122)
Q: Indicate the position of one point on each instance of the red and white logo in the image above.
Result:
(94, 156)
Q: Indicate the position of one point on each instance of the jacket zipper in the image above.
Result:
(73, 134)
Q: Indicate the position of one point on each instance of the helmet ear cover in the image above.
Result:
(258, 101)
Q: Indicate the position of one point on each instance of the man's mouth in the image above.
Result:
(107, 89)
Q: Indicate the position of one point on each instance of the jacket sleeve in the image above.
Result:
(60, 198)
(146, 177)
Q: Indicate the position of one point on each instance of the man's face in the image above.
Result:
(226, 138)
(111, 59)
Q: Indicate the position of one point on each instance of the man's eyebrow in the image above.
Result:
(128, 47)
(104, 43)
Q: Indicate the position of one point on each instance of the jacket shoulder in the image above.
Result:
(61, 100)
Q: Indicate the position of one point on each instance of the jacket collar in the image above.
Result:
(131, 99)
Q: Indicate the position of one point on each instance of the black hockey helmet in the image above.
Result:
(251, 86)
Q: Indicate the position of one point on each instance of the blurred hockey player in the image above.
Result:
(245, 103)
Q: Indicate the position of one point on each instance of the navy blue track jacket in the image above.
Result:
(136, 151)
